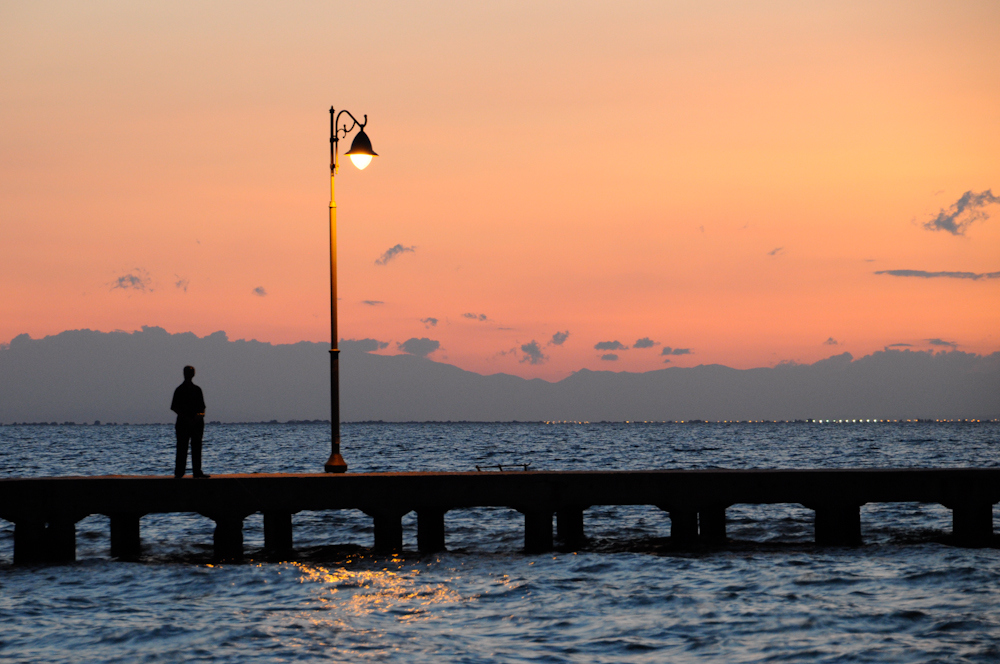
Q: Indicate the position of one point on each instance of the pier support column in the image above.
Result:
(430, 530)
(537, 531)
(838, 525)
(41, 541)
(569, 526)
(125, 541)
(712, 524)
(972, 524)
(388, 531)
(29, 541)
(61, 540)
(277, 532)
(683, 526)
(228, 536)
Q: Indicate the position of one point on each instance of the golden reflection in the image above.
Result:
(392, 588)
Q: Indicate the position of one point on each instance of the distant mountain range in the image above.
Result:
(83, 375)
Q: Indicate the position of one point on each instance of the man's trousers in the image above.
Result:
(189, 430)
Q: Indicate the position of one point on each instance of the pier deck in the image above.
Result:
(45, 510)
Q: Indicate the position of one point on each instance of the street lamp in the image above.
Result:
(361, 154)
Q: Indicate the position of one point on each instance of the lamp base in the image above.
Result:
(335, 464)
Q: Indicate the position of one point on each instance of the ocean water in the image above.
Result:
(769, 595)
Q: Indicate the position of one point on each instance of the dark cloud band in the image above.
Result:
(420, 347)
(667, 350)
(532, 353)
(559, 338)
(137, 279)
(922, 274)
(963, 212)
(391, 253)
(361, 345)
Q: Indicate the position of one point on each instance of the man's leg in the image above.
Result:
(197, 432)
(180, 462)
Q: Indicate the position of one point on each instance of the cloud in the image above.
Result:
(421, 347)
(372, 303)
(259, 291)
(666, 360)
(899, 346)
(830, 342)
(776, 251)
(975, 276)
(645, 342)
(182, 283)
(532, 353)
(963, 212)
(429, 322)
(609, 357)
(559, 338)
(610, 345)
(391, 253)
(362, 345)
(942, 342)
(667, 350)
(480, 317)
(137, 279)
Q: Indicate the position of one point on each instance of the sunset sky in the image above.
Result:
(743, 183)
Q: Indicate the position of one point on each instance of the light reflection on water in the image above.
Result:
(905, 596)
(395, 587)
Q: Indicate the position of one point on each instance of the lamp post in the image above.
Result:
(361, 154)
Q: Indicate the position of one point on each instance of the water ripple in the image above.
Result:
(769, 596)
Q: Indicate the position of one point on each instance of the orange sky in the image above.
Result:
(721, 177)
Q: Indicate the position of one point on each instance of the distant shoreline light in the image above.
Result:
(806, 421)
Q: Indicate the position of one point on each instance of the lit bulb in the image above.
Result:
(361, 160)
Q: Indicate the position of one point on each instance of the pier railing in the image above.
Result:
(45, 510)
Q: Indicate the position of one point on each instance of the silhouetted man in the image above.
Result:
(189, 404)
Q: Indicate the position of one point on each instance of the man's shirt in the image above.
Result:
(188, 400)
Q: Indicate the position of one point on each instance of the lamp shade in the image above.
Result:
(361, 152)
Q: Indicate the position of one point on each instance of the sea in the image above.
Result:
(769, 595)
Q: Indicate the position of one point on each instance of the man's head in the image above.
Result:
(188, 372)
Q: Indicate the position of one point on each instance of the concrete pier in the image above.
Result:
(430, 530)
(388, 525)
(712, 524)
(972, 523)
(228, 536)
(45, 510)
(838, 524)
(125, 541)
(569, 526)
(50, 540)
(537, 530)
(277, 531)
